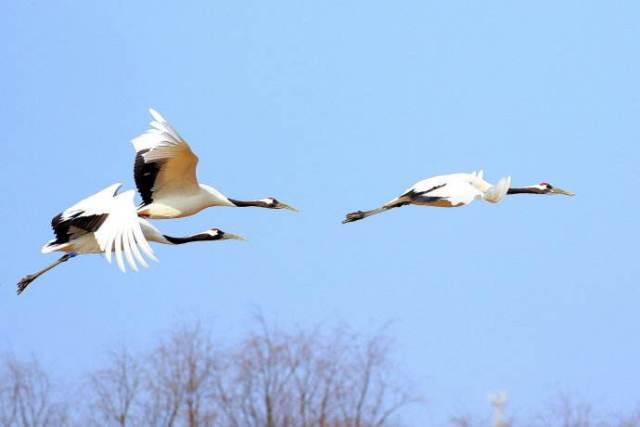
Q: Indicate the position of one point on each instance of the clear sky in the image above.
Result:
(334, 106)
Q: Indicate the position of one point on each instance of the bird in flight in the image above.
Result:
(107, 222)
(165, 175)
(453, 190)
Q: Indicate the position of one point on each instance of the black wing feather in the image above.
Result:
(61, 226)
(412, 194)
(145, 175)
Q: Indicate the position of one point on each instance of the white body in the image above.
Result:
(175, 203)
(457, 189)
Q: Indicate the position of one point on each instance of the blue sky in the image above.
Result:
(335, 106)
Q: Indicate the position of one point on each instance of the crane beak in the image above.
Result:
(285, 206)
(231, 236)
(556, 190)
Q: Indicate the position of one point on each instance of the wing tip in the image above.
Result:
(156, 116)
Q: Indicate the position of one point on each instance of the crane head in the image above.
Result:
(217, 234)
(273, 203)
(546, 188)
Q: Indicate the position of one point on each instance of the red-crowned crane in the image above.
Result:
(453, 190)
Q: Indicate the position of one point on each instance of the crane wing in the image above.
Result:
(458, 193)
(95, 204)
(121, 233)
(164, 161)
(84, 217)
(456, 189)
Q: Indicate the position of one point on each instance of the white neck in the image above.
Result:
(213, 197)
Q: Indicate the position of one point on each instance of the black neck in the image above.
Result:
(188, 239)
(249, 203)
(525, 190)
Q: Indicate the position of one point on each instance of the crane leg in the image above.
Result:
(358, 215)
(24, 282)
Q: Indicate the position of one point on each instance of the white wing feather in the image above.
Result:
(177, 161)
(121, 233)
(162, 125)
(95, 204)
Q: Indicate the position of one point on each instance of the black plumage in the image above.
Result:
(202, 237)
(145, 175)
(531, 190)
(62, 226)
(414, 195)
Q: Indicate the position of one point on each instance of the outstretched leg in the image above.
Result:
(406, 199)
(358, 215)
(24, 282)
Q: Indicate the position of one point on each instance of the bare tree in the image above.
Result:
(115, 391)
(27, 398)
(180, 379)
(271, 377)
(463, 421)
(565, 411)
(313, 379)
(632, 420)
